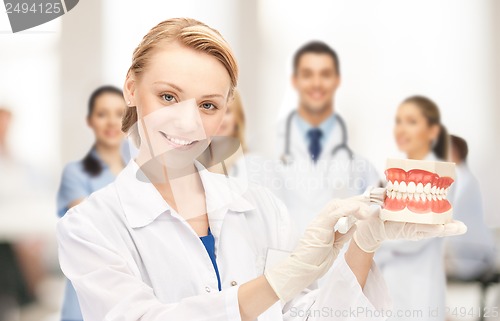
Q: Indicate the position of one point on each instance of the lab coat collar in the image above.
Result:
(326, 126)
(431, 157)
(142, 203)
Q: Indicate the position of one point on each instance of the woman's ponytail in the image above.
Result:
(441, 146)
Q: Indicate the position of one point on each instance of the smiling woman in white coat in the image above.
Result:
(169, 240)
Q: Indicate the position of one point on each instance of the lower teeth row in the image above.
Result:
(415, 196)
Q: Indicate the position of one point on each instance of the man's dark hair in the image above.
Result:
(317, 47)
(460, 146)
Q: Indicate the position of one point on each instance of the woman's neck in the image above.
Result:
(183, 190)
(109, 154)
(418, 154)
(175, 185)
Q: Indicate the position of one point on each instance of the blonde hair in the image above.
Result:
(239, 116)
(190, 33)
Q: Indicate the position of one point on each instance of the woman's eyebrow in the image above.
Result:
(169, 84)
(212, 96)
(181, 91)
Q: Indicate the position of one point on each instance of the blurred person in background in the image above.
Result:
(22, 241)
(471, 255)
(231, 133)
(5, 118)
(317, 162)
(414, 271)
(234, 160)
(13, 286)
(98, 168)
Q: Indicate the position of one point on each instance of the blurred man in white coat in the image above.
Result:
(316, 163)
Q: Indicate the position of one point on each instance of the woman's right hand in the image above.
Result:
(316, 251)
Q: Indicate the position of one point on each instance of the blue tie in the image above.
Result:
(314, 135)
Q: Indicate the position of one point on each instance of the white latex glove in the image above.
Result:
(316, 250)
(371, 232)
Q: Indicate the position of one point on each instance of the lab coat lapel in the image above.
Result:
(223, 196)
(298, 144)
(227, 210)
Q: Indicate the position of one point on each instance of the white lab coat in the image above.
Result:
(306, 187)
(414, 273)
(131, 257)
(472, 254)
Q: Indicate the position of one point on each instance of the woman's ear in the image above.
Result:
(129, 90)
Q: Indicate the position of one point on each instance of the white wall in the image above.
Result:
(389, 50)
(126, 23)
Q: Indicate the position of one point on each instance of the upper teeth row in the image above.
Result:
(415, 196)
(416, 188)
(179, 141)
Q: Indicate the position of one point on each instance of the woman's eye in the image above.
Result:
(208, 106)
(168, 97)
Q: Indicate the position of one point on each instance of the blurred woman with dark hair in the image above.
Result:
(98, 168)
(414, 271)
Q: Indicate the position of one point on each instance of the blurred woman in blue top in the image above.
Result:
(98, 168)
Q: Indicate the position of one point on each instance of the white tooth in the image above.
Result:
(398, 196)
(434, 197)
(423, 197)
(427, 188)
(393, 194)
(410, 196)
(402, 187)
(429, 197)
(439, 197)
(411, 187)
(420, 188)
(441, 191)
(417, 197)
(433, 190)
(389, 186)
(388, 193)
(396, 185)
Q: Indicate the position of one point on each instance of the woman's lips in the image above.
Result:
(112, 133)
(177, 142)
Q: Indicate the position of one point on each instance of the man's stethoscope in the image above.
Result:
(287, 157)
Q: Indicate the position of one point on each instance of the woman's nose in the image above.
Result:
(187, 117)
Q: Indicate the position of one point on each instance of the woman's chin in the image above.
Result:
(177, 158)
(110, 142)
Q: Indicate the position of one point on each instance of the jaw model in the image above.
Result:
(417, 191)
